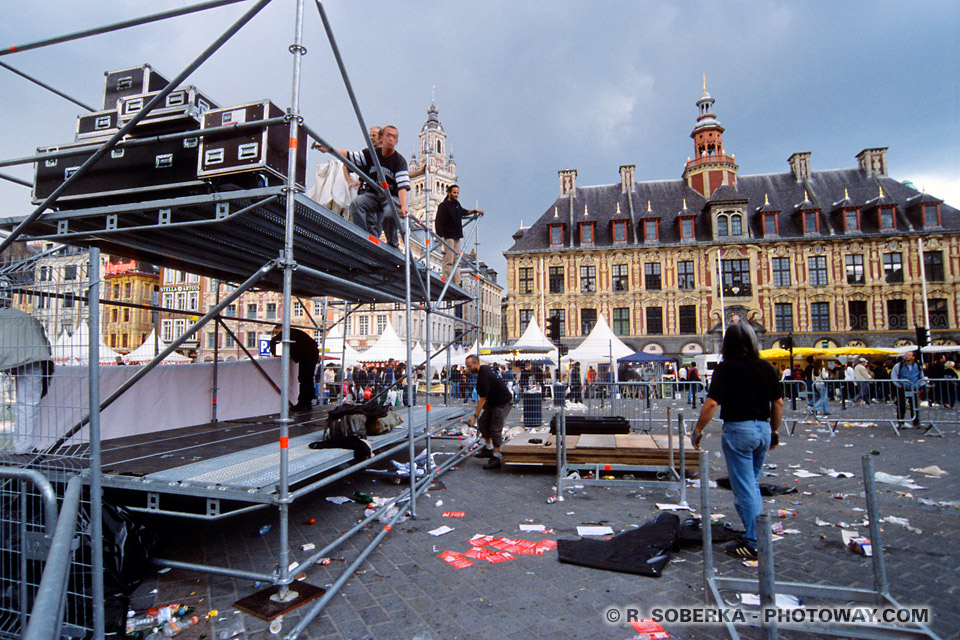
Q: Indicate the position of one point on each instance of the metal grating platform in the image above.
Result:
(232, 234)
(259, 468)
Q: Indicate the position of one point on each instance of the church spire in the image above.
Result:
(711, 167)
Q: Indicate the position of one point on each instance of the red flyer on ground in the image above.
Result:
(648, 630)
(454, 559)
(480, 541)
(477, 553)
(503, 543)
(454, 514)
(494, 558)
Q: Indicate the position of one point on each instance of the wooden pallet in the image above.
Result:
(634, 449)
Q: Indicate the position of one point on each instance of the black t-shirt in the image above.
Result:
(744, 389)
(492, 387)
(394, 169)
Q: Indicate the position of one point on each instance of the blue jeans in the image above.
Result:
(822, 402)
(745, 446)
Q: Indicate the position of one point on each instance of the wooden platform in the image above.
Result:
(634, 449)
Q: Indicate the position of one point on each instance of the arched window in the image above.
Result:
(723, 223)
(439, 149)
(736, 225)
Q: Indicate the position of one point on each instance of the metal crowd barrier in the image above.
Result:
(833, 403)
(47, 616)
(768, 588)
(644, 404)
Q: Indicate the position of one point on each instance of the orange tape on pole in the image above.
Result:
(606, 467)
(373, 240)
(428, 406)
(284, 442)
(293, 143)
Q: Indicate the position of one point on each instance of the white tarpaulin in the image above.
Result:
(602, 345)
(149, 350)
(331, 188)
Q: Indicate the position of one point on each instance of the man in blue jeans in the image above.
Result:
(748, 391)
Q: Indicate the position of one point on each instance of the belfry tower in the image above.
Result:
(710, 167)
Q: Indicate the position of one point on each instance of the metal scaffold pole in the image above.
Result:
(96, 488)
(297, 49)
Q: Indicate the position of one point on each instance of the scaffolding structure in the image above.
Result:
(272, 237)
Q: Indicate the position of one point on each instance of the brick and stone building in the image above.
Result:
(836, 257)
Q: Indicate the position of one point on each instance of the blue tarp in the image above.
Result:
(639, 356)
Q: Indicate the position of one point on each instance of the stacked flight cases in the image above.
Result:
(129, 173)
(249, 158)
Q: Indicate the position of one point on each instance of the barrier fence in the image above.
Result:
(868, 403)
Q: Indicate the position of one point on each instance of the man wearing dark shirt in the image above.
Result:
(371, 210)
(449, 226)
(493, 407)
(305, 353)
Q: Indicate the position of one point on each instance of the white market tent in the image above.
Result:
(534, 337)
(602, 345)
(388, 345)
(336, 347)
(149, 350)
(419, 355)
(74, 350)
(61, 351)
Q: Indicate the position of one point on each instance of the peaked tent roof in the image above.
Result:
(388, 345)
(337, 347)
(534, 337)
(149, 350)
(598, 346)
(61, 351)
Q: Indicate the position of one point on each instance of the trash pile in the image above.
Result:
(164, 622)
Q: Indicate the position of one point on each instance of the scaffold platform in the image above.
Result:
(229, 235)
(225, 464)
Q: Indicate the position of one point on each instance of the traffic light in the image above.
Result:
(923, 336)
(553, 328)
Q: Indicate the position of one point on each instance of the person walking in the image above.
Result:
(493, 407)
(748, 393)
(576, 384)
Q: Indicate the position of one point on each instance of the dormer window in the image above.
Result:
(619, 230)
(556, 235)
(586, 232)
(931, 215)
(651, 229)
(811, 222)
(770, 225)
(686, 229)
(851, 220)
(886, 218)
(729, 224)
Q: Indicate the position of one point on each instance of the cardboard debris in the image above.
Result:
(532, 527)
(933, 471)
(803, 473)
(673, 507)
(439, 531)
(594, 531)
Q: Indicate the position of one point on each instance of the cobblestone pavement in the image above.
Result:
(403, 590)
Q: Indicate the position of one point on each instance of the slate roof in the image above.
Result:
(824, 189)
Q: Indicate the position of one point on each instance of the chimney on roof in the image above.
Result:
(568, 180)
(800, 165)
(626, 177)
(873, 161)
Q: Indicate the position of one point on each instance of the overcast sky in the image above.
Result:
(525, 89)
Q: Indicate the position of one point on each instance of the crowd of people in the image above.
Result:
(904, 382)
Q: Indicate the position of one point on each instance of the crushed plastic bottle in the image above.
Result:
(172, 628)
(785, 513)
(262, 531)
(230, 628)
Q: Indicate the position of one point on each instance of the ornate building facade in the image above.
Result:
(834, 258)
